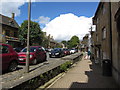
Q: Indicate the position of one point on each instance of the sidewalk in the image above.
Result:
(85, 74)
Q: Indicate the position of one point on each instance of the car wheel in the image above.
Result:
(13, 66)
(60, 56)
(34, 61)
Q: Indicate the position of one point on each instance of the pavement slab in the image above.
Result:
(85, 74)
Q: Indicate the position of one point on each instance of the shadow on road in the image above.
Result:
(4, 72)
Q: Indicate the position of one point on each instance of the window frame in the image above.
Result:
(104, 33)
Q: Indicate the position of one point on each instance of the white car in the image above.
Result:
(72, 51)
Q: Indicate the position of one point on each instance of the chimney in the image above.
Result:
(13, 15)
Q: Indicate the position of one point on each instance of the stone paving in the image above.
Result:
(85, 74)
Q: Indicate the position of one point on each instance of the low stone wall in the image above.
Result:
(38, 78)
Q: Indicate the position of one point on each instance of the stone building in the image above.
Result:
(93, 43)
(85, 43)
(9, 30)
(102, 22)
(107, 42)
(50, 42)
(115, 29)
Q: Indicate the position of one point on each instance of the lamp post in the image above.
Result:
(28, 33)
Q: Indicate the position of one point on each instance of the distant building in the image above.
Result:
(50, 42)
(85, 43)
(9, 30)
(106, 38)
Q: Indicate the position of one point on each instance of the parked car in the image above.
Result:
(37, 54)
(66, 52)
(9, 58)
(72, 51)
(50, 49)
(57, 52)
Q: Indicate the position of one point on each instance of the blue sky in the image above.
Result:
(54, 9)
(61, 20)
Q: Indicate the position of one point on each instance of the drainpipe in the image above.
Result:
(110, 18)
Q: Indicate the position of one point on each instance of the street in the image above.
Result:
(32, 67)
(40, 40)
(18, 77)
(39, 64)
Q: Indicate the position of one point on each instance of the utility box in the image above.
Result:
(106, 67)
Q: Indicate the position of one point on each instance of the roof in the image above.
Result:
(8, 21)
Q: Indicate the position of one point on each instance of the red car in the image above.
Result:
(9, 58)
(37, 54)
(66, 52)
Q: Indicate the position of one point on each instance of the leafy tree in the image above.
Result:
(36, 34)
(64, 42)
(45, 42)
(73, 42)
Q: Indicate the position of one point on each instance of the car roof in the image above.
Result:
(4, 44)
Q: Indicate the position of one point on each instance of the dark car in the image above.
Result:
(9, 58)
(57, 52)
(37, 54)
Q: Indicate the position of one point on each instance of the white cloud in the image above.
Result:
(12, 6)
(43, 20)
(18, 0)
(67, 25)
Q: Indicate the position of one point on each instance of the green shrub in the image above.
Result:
(65, 66)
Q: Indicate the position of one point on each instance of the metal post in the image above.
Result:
(110, 24)
(28, 47)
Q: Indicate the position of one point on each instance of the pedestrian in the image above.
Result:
(86, 55)
(89, 53)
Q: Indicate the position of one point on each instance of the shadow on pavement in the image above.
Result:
(95, 79)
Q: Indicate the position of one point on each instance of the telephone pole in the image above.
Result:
(28, 41)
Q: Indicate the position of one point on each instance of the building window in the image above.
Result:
(97, 37)
(104, 33)
(104, 10)
(15, 34)
(97, 20)
(97, 54)
(104, 55)
(7, 33)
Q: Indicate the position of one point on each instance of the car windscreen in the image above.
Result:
(65, 49)
(32, 49)
(3, 49)
(56, 49)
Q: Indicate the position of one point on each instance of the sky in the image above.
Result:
(62, 20)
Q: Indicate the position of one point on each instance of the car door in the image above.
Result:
(42, 54)
(6, 56)
(37, 54)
